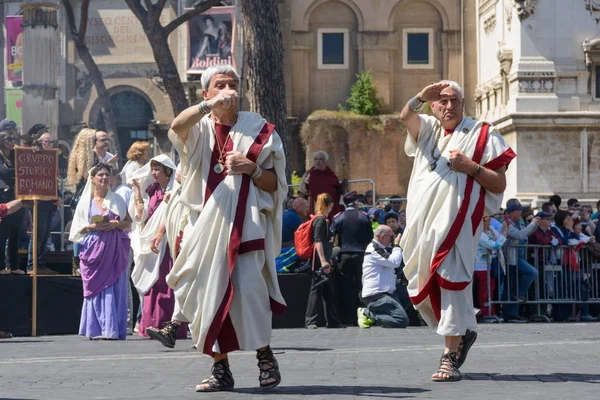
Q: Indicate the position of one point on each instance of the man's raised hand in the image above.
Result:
(226, 99)
(433, 91)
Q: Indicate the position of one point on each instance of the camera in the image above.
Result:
(320, 277)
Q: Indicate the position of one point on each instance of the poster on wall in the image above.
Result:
(211, 39)
(14, 48)
(14, 104)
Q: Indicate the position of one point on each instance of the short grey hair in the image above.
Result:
(218, 69)
(381, 230)
(454, 85)
(321, 153)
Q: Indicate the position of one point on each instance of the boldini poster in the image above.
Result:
(211, 38)
(14, 48)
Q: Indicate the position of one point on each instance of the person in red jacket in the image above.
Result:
(321, 179)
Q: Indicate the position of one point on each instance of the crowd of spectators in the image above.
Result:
(353, 233)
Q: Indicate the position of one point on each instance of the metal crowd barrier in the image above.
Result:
(564, 278)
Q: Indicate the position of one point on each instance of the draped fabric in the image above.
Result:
(224, 276)
(146, 269)
(445, 208)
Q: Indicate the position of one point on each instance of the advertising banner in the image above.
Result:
(14, 104)
(211, 39)
(14, 48)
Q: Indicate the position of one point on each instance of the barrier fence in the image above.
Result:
(548, 278)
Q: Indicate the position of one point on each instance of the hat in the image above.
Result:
(543, 215)
(7, 125)
(512, 202)
(34, 133)
(37, 130)
(374, 213)
(513, 207)
(350, 197)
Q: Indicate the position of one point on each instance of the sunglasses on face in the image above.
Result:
(48, 142)
(10, 139)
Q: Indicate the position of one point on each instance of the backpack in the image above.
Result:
(303, 241)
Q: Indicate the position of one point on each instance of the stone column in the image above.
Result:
(41, 52)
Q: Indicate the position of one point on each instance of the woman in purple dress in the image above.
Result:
(150, 187)
(99, 227)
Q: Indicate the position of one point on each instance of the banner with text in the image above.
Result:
(211, 39)
(14, 104)
(36, 173)
(115, 35)
(14, 48)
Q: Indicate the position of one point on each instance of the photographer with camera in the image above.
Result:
(382, 306)
(321, 288)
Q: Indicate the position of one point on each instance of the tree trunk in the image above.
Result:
(108, 115)
(167, 68)
(263, 50)
(78, 37)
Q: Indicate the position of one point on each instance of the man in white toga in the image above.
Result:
(234, 184)
(458, 177)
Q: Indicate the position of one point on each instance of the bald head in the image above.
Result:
(300, 205)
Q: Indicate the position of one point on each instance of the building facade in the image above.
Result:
(538, 82)
(406, 44)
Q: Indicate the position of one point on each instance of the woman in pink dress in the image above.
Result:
(150, 188)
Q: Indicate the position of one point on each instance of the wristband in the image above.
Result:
(203, 107)
(476, 172)
(257, 173)
(415, 104)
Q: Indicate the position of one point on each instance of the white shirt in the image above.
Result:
(124, 192)
(379, 275)
(106, 157)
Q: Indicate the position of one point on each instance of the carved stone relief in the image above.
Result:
(593, 6)
(489, 24)
(524, 8)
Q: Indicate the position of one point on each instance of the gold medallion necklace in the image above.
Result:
(219, 168)
(433, 164)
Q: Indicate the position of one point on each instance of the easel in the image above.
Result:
(34, 275)
(26, 190)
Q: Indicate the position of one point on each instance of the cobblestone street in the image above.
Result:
(533, 361)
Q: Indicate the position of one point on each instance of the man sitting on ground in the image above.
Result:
(382, 306)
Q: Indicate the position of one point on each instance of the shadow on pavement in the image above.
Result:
(283, 349)
(24, 341)
(555, 377)
(319, 390)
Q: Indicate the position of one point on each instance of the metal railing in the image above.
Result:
(562, 277)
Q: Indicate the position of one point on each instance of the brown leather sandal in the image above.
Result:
(448, 366)
(269, 369)
(221, 378)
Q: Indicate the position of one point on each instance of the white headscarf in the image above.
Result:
(113, 202)
(145, 178)
(147, 263)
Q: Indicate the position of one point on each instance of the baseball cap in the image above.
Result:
(513, 207)
(7, 125)
(543, 215)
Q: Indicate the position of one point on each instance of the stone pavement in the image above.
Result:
(509, 361)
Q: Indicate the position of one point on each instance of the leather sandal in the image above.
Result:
(221, 378)
(269, 369)
(448, 366)
(465, 345)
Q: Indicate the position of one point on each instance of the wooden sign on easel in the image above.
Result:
(35, 179)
